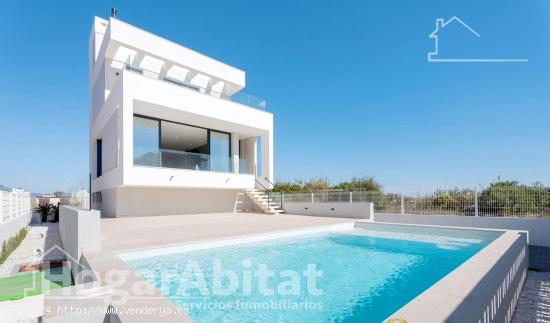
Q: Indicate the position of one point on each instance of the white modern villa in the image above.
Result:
(180, 223)
(170, 131)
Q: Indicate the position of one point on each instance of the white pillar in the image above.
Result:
(267, 156)
(370, 207)
(254, 160)
(125, 134)
(235, 152)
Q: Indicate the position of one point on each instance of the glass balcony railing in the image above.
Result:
(238, 97)
(192, 161)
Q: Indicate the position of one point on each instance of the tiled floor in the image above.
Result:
(534, 302)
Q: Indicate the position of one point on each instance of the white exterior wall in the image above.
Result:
(115, 100)
(147, 201)
(133, 37)
(10, 229)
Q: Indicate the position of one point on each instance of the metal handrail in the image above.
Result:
(260, 183)
(265, 188)
(270, 182)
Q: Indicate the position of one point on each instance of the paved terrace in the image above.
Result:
(120, 234)
(146, 232)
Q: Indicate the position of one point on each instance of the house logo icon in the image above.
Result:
(59, 270)
(436, 57)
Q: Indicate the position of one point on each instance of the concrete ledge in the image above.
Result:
(334, 209)
(244, 239)
(483, 289)
(79, 229)
(538, 228)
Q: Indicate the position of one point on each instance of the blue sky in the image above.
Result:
(348, 82)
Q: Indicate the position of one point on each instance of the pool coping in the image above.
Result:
(115, 261)
(459, 294)
(110, 259)
(138, 253)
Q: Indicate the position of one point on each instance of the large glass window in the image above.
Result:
(162, 143)
(183, 146)
(219, 152)
(146, 142)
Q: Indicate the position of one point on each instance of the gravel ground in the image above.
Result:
(534, 301)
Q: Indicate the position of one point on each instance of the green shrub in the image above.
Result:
(317, 184)
(11, 244)
(286, 187)
(44, 210)
(364, 183)
(445, 201)
(509, 198)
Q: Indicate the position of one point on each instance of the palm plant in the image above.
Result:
(55, 210)
(44, 210)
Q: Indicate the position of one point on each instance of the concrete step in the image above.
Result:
(262, 200)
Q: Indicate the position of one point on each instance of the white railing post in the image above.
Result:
(350, 197)
(402, 202)
(311, 198)
(476, 204)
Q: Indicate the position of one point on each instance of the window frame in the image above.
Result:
(159, 120)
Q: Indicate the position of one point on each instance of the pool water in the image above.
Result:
(361, 275)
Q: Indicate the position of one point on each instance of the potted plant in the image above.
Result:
(55, 210)
(44, 209)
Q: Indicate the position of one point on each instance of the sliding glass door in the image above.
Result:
(220, 149)
(146, 142)
(161, 143)
(183, 146)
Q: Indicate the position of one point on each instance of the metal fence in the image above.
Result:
(14, 204)
(523, 201)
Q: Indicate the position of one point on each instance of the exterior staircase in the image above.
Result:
(261, 200)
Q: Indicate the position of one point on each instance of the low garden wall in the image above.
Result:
(9, 229)
(335, 209)
(79, 229)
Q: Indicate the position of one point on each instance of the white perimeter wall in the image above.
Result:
(79, 229)
(539, 229)
(343, 210)
(136, 201)
(10, 228)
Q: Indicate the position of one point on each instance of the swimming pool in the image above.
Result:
(361, 274)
